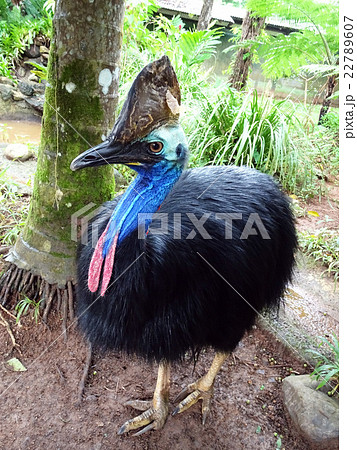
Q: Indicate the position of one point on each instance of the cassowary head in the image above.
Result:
(147, 131)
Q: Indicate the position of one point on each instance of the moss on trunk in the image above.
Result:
(79, 109)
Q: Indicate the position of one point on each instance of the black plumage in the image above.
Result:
(171, 300)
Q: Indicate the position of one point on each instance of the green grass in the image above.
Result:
(27, 305)
(327, 369)
(13, 210)
(323, 247)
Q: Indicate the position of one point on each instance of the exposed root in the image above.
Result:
(64, 313)
(16, 283)
(86, 367)
(70, 301)
(6, 324)
(49, 302)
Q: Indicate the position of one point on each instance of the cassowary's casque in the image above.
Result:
(219, 250)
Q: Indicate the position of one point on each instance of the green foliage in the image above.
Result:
(18, 28)
(331, 121)
(327, 369)
(245, 130)
(23, 306)
(315, 44)
(322, 246)
(147, 38)
(13, 212)
(40, 71)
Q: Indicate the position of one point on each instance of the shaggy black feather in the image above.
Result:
(169, 295)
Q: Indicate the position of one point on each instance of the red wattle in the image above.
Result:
(96, 262)
(108, 266)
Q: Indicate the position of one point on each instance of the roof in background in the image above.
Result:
(225, 14)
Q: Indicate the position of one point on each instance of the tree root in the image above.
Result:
(16, 283)
(86, 367)
(6, 324)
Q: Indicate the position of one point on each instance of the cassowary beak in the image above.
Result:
(105, 153)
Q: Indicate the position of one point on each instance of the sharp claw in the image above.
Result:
(190, 395)
(140, 405)
(122, 429)
(183, 394)
(144, 430)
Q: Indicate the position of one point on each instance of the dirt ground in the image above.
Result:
(40, 408)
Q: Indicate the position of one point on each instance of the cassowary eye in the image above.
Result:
(156, 147)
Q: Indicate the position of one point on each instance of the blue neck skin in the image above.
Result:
(144, 195)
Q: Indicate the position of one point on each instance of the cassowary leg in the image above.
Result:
(202, 389)
(155, 411)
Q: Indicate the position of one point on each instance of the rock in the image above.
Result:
(36, 103)
(19, 152)
(4, 80)
(33, 77)
(25, 88)
(313, 412)
(33, 51)
(39, 88)
(21, 72)
(44, 50)
(18, 96)
(6, 92)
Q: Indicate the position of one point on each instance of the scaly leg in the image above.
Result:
(202, 389)
(155, 411)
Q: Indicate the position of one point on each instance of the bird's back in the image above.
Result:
(219, 251)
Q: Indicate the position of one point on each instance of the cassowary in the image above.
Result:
(185, 259)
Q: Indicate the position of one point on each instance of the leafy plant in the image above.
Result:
(23, 306)
(18, 28)
(40, 70)
(327, 369)
(12, 212)
(313, 48)
(245, 130)
(322, 246)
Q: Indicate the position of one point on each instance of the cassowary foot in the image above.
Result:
(201, 389)
(155, 411)
(153, 417)
(191, 395)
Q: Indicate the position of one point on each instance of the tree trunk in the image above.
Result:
(205, 16)
(331, 84)
(251, 28)
(80, 105)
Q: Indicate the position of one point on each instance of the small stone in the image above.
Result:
(4, 80)
(6, 92)
(39, 88)
(33, 77)
(21, 71)
(36, 103)
(18, 96)
(33, 51)
(44, 49)
(20, 152)
(25, 88)
(313, 412)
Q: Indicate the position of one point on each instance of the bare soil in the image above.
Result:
(41, 409)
